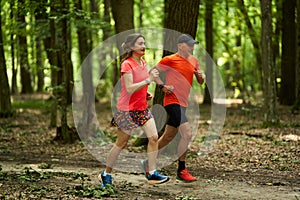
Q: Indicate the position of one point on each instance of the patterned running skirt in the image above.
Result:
(130, 120)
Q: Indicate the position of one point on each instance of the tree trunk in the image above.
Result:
(5, 103)
(40, 14)
(296, 106)
(181, 16)
(23, 52)
(67, 72)
(268, 70)
(52, 52)
(88, 100)
(14, 88)
(39, 65)
(276, 43)
(288, 69)
(122, 11)
(253, 36)
(141, 11)
(208, 92)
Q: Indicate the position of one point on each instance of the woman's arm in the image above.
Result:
(133, 87)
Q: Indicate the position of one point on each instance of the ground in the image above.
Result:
(247, 162)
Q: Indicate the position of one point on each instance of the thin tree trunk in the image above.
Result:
(276, 43)
(14, 88)
(253, 36)
(208, 92)
(288, 70)
(39, 66)
(268, 65)
(122, 11)
(53, 51)
(23, 52)
(5, 103)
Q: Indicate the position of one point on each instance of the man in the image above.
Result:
(180, 68)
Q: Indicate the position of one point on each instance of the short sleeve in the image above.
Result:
(126, 67)
(194, 61)
(164, 63)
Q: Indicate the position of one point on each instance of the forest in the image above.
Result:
(60, 72)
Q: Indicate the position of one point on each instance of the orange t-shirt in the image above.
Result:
(136, 100)
(179, 73)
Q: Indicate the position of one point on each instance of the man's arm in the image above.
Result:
(165, 88)
(199, 76)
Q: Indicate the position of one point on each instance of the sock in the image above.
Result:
(105, 173)
(152, 172)
(181, 166)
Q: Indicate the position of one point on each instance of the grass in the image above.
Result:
(31, 104)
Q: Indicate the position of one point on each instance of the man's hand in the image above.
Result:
(199, 76)
(168, 89)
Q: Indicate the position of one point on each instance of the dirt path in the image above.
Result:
(248, 162)
(134, 186)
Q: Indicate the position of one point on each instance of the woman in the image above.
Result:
(133, 109)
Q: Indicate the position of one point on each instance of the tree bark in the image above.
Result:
(122, 11)
(268, 71)
(181, 16)
(253, 36)
(14, 88)
(288, 69)
(208, 92)
(23, 52)
(5, 102)
(296, 106)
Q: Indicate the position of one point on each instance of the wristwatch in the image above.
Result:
(161, 86)
(147, 81)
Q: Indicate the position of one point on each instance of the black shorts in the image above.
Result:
(176, 115)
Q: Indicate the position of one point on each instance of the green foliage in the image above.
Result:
(83, 190)
(185, 197)
(31, 104)
(28, 175)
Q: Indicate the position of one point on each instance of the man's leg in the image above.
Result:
(167, 136)
(185, 139)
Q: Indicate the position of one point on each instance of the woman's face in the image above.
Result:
(139, 46)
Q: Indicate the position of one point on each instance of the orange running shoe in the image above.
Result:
(185, 176)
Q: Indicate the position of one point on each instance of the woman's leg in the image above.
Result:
(121, 143)
(151, 132)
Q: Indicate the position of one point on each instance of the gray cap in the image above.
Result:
(186, 38)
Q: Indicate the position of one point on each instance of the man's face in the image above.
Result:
(186, 48)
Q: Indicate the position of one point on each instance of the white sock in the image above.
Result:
(105, 173)
(152, 172)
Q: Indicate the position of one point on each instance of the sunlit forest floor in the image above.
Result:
(247, 161)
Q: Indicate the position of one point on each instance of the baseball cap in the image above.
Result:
(186, 38)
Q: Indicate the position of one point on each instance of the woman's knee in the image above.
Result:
(153, 138)
(122, 144)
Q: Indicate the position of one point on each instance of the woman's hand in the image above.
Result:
(153, 74)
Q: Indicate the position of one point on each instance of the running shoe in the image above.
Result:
(145, 167)
(105, 180)
(185, 176)
(157, 178)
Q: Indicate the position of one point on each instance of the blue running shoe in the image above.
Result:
(157, 178)
(105, 180)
